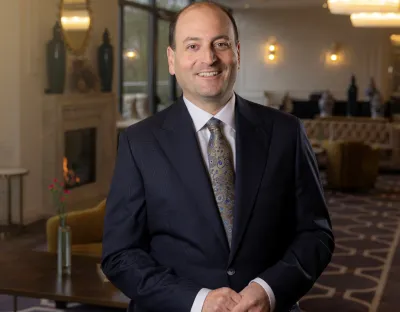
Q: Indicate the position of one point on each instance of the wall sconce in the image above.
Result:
(335, 52)
(333, 56)
(395, 39)
(271, 50)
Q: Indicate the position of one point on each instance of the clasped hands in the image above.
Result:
(253, 298)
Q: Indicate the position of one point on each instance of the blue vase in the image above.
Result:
(105, 58)
(56, 61)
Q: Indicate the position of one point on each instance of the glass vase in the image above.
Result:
(64, 250)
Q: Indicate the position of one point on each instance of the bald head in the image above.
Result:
(200, 5)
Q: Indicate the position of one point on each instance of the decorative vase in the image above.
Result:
(105, 58)
(63, 248)
(352, 96)
(56, 61)
(376, 105)
(326, 104)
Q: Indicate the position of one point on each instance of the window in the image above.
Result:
(135, 51)
(163, 76)
(141, 20)
(173, 5)
(147, 2)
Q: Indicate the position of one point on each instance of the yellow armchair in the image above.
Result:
(86, 231)
(351, 165)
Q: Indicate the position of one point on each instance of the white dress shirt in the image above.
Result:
(200, 119)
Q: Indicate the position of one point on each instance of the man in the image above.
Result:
(215, 203)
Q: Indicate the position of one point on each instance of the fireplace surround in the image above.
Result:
(79, 146)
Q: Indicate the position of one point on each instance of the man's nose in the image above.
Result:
(209, 56)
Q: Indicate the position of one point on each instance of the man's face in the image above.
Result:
(206, 58)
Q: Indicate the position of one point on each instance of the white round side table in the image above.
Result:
(8, 174)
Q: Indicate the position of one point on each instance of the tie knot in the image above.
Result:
(214, 125)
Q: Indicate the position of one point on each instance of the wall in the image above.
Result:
(23, 83)
(9, 83)
(10, 102)
(304, 35)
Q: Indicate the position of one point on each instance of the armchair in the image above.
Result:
(86, 231)
(351, 165)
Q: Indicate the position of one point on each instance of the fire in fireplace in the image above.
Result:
(79, 162)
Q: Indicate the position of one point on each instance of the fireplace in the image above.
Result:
(80, 147)
(79, 161)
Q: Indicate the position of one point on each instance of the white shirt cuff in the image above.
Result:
(199, 300)
(268, 290)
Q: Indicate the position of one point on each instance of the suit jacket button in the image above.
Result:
(231, 271)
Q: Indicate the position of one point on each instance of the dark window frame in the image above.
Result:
(155, 14)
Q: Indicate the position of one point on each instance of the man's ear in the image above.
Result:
(171, 60)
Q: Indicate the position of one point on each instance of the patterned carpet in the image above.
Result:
(367, 232)
(366, 227)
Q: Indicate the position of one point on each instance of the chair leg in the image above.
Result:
(15, 303)
(61, 305)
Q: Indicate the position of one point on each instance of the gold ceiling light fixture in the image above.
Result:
(348, 7)
(376, 20)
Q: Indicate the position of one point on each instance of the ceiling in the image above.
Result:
(256, 4)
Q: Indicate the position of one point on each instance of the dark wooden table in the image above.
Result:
(34, 274)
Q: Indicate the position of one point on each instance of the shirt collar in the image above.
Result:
(201, 117)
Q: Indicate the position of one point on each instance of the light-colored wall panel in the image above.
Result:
(304, 36)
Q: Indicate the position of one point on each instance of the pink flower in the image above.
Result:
(59, 195)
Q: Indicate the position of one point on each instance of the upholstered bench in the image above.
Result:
(378, 133)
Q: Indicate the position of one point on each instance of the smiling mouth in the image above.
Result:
(209, 74)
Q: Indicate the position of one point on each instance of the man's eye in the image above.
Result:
(191, 47)
(222, 44)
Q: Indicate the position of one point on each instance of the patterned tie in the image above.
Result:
(222, 174)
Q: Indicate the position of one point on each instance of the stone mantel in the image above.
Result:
(67, 112)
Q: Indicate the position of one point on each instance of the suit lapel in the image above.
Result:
(253, 137)
(178, 139)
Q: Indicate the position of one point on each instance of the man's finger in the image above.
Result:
(231, 304)
(236, 297)
(241, 307)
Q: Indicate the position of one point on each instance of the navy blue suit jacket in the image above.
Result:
(163, 236)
